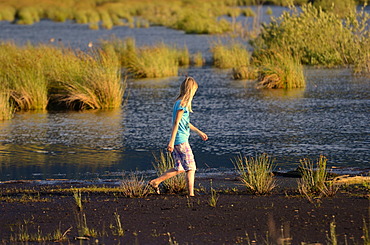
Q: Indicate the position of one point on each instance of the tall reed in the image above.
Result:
(231, 55)
(22, 74)
(339, 7)
(123, 48)
(314, 176)
(317, 37)
(34, 74)
(159, 60)
(161, 164)
(134, 186)
(6, 107)
(279, 69)
(85, 80)
(256, 173)
(152, 62)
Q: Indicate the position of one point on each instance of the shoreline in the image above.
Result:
(238, 217)
(200, 174)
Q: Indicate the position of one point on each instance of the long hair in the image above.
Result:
(187, 90)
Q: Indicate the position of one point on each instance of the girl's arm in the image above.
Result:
(175, 128)
(200, 133)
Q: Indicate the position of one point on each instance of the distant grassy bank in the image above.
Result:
(194, 16)
(40, 77)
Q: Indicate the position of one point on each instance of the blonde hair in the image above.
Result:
(187, 90)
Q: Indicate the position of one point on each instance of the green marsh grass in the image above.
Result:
(161, 164)
(83, 229)
(248, 12)
(118, 229)
(318, 38)
(24, 235)
(279, 69)
(245, 72)
(78, 199)
(93, 82)
(7, 12)
(22, 75)
(154, 62)
(134, 186)
(142, 13)
(34, 75)
(232, 55)
(314, 178)
(256, 173)
(214, 197)
(123, 48)
(339, 7)
(6, 107)
(197, 59)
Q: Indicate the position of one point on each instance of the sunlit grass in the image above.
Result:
(317, 37)
(162, 163)
(197, 59)
(156, 61)
(95, 82)
(6, 107)
(22, 75)
(245, 72)
(231, 55)
(23, 235)
(34, 74)
(256, 173)
(134, 186)
(314, 179)
(279, 69)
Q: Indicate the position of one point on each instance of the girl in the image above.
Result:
(179, 144)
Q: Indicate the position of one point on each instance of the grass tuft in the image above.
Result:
(232, 55)
(256, 173)
(214, 197)
(162, 163)
(78, 199)
(36, 77)
(279, 69)
(134, 186)
(118, 228)
(314, 179)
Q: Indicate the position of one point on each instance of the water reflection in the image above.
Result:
(283, 94)
(63, 143)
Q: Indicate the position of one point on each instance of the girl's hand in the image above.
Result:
(170, 147)
(203, 135)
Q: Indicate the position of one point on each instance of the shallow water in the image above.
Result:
(329, 117)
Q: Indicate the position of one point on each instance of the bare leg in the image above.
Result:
(190, 176)
(166, 175)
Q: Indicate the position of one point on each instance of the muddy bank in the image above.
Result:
(238, 217)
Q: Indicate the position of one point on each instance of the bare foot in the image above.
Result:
(154, 186)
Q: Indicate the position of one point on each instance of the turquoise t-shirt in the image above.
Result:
(183, 132)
